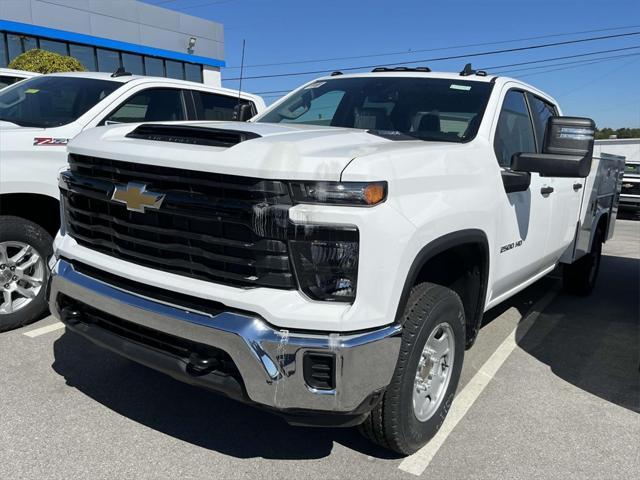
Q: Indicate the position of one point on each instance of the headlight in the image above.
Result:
(364, 194)
(327, 269)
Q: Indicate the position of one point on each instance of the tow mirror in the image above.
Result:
(567, 151)
(242, 112)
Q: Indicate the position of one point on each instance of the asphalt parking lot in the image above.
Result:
(550, 390)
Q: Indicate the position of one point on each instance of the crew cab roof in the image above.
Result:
(141, 79)
(498, 80)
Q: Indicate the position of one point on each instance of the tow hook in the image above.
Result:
(69, 315)
(199, 365)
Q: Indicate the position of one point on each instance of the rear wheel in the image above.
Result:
(427, 373)
(24, 249)
(579, 278)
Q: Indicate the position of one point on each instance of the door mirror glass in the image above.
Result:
(567, 150)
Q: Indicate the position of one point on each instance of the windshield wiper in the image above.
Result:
(398, 135)
(394, 134)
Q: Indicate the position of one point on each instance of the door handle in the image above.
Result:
(577, 186)
(546, 190)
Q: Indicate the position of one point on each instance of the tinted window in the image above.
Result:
(18, 44)
(132, 63)
(53, 46)
(154, 105)
(541, 112)
(193, 72)
(52, 101)
(154, 66)
(210, 106)
(174, 69)
(6, 80)
(85, 55)
(422, 108)
(3, 49)
(514, 133)
(108, 60)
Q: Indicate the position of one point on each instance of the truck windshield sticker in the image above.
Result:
(314, 85)
(455, 86)
(31, 90)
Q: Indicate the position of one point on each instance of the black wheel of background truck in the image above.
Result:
(579, 278)
(427, 373)
(24, 250)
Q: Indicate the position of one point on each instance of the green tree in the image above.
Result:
(43, 61)
(606, 132)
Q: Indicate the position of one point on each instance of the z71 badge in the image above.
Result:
(48, 141)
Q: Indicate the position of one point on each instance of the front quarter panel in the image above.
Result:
(439, 191)
(30, 159)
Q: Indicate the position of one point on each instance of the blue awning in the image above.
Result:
(53, 33)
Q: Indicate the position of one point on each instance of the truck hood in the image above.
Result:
(280, 151)
(4, 126)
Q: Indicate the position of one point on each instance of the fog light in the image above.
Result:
(326, 270)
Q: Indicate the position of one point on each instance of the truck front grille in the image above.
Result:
(222, 228)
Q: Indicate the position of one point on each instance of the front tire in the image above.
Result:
(579, 278)
(421, 391)
(24, 250)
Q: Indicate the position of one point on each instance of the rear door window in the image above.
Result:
(152, 105)
(213, 106)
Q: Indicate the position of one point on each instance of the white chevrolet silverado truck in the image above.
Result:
(331, 260)
(37, 118)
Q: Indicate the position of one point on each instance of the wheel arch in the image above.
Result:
(38, 208)
(473, 265)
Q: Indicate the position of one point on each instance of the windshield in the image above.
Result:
(52, 101)
(395, 107)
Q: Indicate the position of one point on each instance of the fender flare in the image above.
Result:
(440, 245)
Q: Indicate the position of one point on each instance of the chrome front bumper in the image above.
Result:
(269, 360)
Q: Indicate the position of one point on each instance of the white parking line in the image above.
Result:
(417, 463)
(42, 330)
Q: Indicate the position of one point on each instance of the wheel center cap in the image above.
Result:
(6, 275)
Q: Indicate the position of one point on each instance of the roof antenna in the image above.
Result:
(468, 70)
(241, 72)
(120, 72)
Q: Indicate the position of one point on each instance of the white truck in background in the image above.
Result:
(38, 117)
(331, 260)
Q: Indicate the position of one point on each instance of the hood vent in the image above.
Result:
(193, 135)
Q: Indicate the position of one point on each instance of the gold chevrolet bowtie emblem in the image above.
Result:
(136, 197)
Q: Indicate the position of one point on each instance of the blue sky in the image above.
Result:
(279, 31)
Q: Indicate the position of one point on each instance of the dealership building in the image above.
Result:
(107, 34)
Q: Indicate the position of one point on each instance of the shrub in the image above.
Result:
(42, 61)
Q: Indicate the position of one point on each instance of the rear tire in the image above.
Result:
(579, 278)
(432, 315)
(22, 290)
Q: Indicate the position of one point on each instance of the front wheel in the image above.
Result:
(24, 249)
(427, 373)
